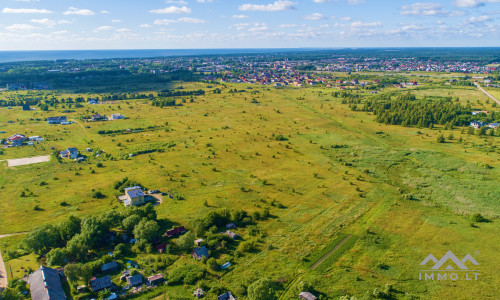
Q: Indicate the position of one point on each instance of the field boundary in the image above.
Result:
(321, 260)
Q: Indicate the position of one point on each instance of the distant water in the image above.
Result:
(15, 56)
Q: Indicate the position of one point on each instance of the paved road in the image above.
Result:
(486, 93)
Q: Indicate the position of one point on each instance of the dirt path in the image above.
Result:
(331, 252)
(3, 270)
(486, 93)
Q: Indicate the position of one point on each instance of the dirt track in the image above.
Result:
(27, 160)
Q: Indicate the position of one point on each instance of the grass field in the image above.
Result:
(227, 153)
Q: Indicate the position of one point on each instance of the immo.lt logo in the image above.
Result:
(449, 267)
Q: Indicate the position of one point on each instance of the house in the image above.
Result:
(56, 120)
(161, 247)
(200, 252)
(230, 226)
(70, 153)
(135, 280)
(307, 296)
(226, 296)
(98, 117)
(101, 283)
(175, 232)
(134, 196)
(45, 284)
(16, 139)
(232, 235)
(93, 101)
(476, 124)
(493, 125)
(117, 117)
(198, 293)
(110, 267)
(198, 242)
(155, 279)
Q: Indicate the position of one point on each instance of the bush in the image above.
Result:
(97, 195)
(477, 217)
(440, 139)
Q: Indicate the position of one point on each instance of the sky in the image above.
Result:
(202, 24)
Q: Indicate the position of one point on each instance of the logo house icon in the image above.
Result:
(444, 261)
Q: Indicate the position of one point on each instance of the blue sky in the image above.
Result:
(179, 24)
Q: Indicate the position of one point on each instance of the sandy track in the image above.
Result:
(27, 160)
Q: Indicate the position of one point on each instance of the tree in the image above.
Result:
(146, 231)
(186, 242)
(261, 289)
(77, 247)
(42, 238)
(477, 217)
(56, 257)
(130, 222)
(212, 264)
(70, 227)
(440, 138)
(73, 271)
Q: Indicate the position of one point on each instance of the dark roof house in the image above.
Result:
(200, 252)
(134, 280)
(226, 296)
(175, 232)
(45, 284)
(101, 283)
(307, 296)
(110, 267)
(232, 235)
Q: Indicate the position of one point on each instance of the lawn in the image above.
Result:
(321, 169)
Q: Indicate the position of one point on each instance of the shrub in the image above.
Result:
(477, 217)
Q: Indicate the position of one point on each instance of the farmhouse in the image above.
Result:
(134, 280)
(232, 235)
(70, 153)
(226, 296)
(16, 139)
(476, 124)
(175, 232)
(117, 116)
(56, 120)
(45, 284)
(307, 296)
(493, 125)
(101, 283)
(199, 253)
(134, 196)
(98, 117)
(155, 279)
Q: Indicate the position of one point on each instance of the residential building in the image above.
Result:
(110, 267)
(200, 252)
(101, 283)
(56, 120)
(175, 231)
(155, 279)
(134, 196)
(45, 284)
(307, 296)
(226, 296)
(70, 153)
(135, 280)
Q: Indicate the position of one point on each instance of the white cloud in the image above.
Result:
(422, 9)
(172, 10)
(145, 25)
(116, 21)
(473, 3)
(45, 22)
(276, 6)
(239, 16)
(103, 28)
(25, 11)
(314, 17)
(345, 19)
(359, 24)
(204, 1)
(179, 20)
(123, 30)
(288, 25)
(104, 12)
(179, 2)
(79, 12)
(20, 27)
(479, 19)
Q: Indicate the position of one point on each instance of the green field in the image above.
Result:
(335, 171)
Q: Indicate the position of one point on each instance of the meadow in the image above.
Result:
(322, 170)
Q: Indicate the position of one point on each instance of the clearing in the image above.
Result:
(27, 160)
